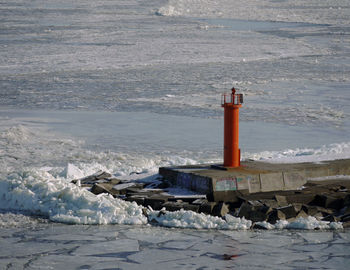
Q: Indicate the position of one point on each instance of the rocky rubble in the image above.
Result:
(325, 200)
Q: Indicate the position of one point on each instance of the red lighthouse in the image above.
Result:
(231, 103)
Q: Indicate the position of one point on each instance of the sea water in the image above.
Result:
(129, 86)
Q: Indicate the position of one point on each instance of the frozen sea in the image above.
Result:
(127, 86)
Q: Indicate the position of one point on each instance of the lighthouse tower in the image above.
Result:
(231, 104)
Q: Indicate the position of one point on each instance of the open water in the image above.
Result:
(127, 86)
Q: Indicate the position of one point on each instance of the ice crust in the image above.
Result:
(324, 153)
(190, 219)
(329, 11)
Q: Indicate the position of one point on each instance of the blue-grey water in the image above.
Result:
(128, 86)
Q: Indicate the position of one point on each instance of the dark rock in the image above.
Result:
(122, 188)
(346, 224)
(297, 206)
(255, 203)
(199, 201)
(258, 227)
(254, 213)
(270, 203)
(156, 202)
(140, 200)
(346, 210)
(345, 218)
(207, 208)
(281, 200)
(223, 196)
(161, 213)
(327, 201)
(331, 218)
(191, 207)
(302, 214)
(145, 192)
(347, 200)
(100, 188)
(114, 181)
(245, 210)
(163, 185)
(91, 179)
(319, 215)
(289, 211)
(275, 215)
(300, 198)
(220, 209)
(173, 206)
(102, 175)
(188, 199)
(144, 212)
(312, 210)
(134, 189)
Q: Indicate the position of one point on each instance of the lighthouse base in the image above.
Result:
(251, 176)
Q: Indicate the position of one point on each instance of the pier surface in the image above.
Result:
(252, 176)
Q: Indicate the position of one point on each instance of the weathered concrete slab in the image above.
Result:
(271, 181)
(253, 176)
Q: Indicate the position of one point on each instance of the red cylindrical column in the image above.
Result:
(231, 130)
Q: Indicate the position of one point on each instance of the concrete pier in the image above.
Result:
(251, 176)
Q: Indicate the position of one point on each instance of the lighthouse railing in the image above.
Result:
(234, 99)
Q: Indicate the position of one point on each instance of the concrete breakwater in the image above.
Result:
(327, 198)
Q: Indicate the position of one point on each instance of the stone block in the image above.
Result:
(220, 209)
(169, 174)
(223, 196)
(281, 200)
(297, 206)
(302, 214)
(207, 208)
(155, 202)
(346, 224)
(293, 180)
(114, 181)
(188, 199)
(275, 215)
(227, 183)
(271, 181)
(100, 188)
(172, 206)
(316, 171)
(289, 211)
(313, 210)
(300, 198)
(258, 227)
(199, 201)
(243, 182)
(138, 199)
(255, 203)
(254, 213)
(327, 201)
(254, 183)
(195, 182)
(345, 218)
(91, 179)
(270, 203)
(122, 188)
(346, 210)
(191, 207)
(347, 200)
(331, 218)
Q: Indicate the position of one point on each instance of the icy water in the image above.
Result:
(128, 86)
